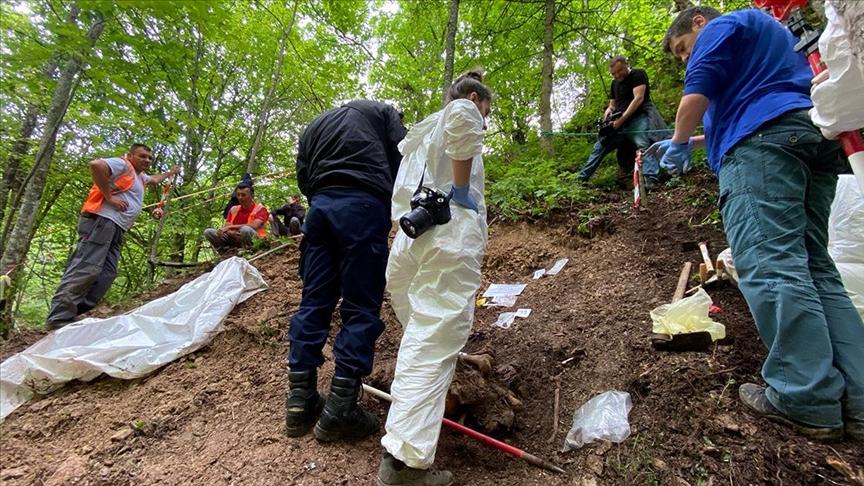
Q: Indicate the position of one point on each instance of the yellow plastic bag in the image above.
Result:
(687, 315)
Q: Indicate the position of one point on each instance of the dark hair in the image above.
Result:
(136, 146)
(616, 59)
(470, 82)
(683, 23)
(245, 185)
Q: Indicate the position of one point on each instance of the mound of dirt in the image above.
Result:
(216, 417)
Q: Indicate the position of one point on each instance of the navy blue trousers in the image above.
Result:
(343, 254)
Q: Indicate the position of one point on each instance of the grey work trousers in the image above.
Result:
(222, 242)
(91, 269)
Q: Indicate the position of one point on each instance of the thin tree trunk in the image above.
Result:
(546, 74)
(264, 114)
(16, 248)
(11, 182)
(450, 49)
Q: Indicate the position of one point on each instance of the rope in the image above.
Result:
(272, 175)
(594, 134)
(547, 133)
(211, 199)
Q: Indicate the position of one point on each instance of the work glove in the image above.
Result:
(675, 157)
(461, 195)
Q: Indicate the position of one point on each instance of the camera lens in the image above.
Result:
(416, 222)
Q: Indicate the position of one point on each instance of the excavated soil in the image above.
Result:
(216, 416)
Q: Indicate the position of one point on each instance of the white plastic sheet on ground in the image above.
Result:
(604, 417)
(131, 345)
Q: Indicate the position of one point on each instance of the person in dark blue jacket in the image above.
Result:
(347, 160)
(777, 177)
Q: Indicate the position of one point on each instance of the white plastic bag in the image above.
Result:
(728, 263)
(604, 417)
(687, 315)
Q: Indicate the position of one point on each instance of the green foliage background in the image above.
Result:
(190, 78)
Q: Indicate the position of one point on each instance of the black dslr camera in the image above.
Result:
(428, 208)
(604, 125)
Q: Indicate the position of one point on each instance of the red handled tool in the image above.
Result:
(497, 444)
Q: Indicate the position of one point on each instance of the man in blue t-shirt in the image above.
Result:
(777, 177)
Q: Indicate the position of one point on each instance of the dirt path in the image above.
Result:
(217, 416)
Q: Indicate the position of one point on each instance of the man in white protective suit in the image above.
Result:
(432, 279)
(838, 92)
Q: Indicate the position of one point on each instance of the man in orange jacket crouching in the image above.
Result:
(243, 224)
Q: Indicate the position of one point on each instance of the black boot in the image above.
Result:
(303, 404)
(342, 418)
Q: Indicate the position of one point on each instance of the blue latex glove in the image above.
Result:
(462, 196)
(658, 148)
(676, 158)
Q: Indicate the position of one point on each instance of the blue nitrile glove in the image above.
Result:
(462, 196)
(658, 148)
(676, 159)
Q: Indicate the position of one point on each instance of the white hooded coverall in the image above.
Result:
(838, 102)
(432, 280)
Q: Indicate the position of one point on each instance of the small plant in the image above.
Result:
(266, 330)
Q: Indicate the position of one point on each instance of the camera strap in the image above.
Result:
(422, 176)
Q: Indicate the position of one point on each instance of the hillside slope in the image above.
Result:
(217, 416)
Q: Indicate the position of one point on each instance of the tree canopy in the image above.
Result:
(222, 88)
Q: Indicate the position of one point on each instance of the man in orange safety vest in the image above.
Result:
(111, 207)
(244, 223)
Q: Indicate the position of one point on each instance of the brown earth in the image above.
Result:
(216, 417)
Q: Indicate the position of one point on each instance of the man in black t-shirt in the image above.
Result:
(639, 123)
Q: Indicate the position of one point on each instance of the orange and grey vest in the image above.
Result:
(121, 183)
(232, 214)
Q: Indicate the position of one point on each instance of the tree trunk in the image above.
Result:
(264, 114)
(11, 183)
(16, 248)
(450, 49)
(546, 74)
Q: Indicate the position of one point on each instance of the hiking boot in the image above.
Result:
(294, 226)
(754, 397)
(855, 430)
(303, 404)
(651, 184)
(394, 472)
(342, 418)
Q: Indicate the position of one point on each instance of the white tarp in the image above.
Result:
(131, 345)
